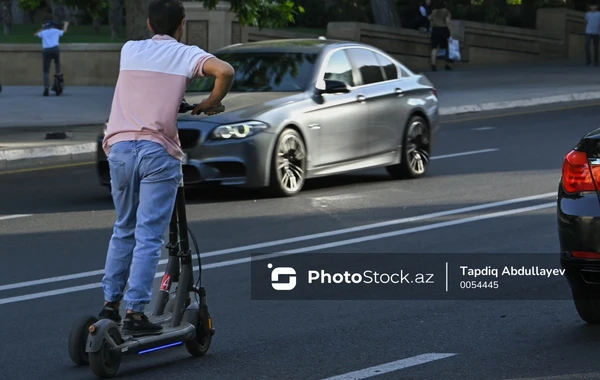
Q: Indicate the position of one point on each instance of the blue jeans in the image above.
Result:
(144, 182)
(591, 39)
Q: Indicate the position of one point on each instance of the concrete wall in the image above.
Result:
(81, 64)
(559, 35)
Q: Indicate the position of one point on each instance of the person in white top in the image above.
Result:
(50, 36)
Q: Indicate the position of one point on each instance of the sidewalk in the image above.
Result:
(83, 110)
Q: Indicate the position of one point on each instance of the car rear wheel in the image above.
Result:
(288, 168)
(415, 152)
(587, 304)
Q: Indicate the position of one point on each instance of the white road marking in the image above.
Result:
(390, 367)
(298, 239)
(247, 259)
(482, 128)
(575, 376)
(385, 235)
(427, 227)
(7, 217)
(464, 153)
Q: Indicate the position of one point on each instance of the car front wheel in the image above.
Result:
(288, 167)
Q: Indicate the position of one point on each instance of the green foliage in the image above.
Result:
(30, 5)
(316, 15)
(23, 34)
(262, 13)
(93, 7)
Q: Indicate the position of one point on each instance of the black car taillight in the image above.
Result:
(577, 173)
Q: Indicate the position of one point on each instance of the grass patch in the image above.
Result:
(23, 34)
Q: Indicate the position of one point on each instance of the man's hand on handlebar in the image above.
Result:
(208, 109)
(197, 109)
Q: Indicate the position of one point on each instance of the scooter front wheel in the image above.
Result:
(78, 340)
(200, 345)
(105, 363)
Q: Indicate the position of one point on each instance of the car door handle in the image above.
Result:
(361, 98)
(399, 92)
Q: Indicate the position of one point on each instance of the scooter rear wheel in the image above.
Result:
(78, 340)
(200, 345)
(103, 362)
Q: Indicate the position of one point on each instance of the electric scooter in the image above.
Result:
(59, 84)
(101, 343)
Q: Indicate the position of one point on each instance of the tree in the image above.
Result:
(30, 6)
(385, 13)
(115, 17)
(7, 20)
(136, 14)
(259, 13)
(93, 8)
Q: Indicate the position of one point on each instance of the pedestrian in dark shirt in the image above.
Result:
(440, 32)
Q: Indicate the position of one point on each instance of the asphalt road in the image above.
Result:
(65, 223)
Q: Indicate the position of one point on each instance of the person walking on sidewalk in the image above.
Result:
(592, 29)
(440, 32)
(50, 36)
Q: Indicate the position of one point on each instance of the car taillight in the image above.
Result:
(586, 255)
(576, 173)
(434, 91)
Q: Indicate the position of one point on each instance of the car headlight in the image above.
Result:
(238, 130)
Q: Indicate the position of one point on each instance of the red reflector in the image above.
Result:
(586, 255)
(576, 174)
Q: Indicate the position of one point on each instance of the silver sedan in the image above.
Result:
(306, 108)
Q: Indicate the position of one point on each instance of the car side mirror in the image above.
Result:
(334, 87)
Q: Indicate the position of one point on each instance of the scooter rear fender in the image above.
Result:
(100, 330)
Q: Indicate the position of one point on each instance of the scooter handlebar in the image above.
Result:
(186, 107)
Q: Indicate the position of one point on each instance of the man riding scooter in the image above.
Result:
(144, 155)
(50, 36)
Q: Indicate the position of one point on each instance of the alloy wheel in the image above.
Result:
(417, 149)
(290, 163)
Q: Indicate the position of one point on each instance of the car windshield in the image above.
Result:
(264, 72)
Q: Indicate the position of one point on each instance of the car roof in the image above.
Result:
(294, 45)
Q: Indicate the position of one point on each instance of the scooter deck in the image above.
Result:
(170, 336)
(163, 320)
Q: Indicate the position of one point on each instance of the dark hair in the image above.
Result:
(165, 16)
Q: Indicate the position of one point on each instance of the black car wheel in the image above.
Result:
(288, 164)
(587, 304)
(415, 152)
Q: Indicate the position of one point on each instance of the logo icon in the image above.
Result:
(165, 283)
(282, 271)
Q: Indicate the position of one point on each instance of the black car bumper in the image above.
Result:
(579, 236)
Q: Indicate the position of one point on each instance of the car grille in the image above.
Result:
(189, 138)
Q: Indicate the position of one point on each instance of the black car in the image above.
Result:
(578, 212)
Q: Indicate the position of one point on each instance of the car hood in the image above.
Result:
(241, 106)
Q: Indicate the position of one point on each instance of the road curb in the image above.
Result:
(521, 103)
(14, 159)
(11, 159)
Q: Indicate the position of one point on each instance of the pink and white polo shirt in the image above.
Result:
(154, 74)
